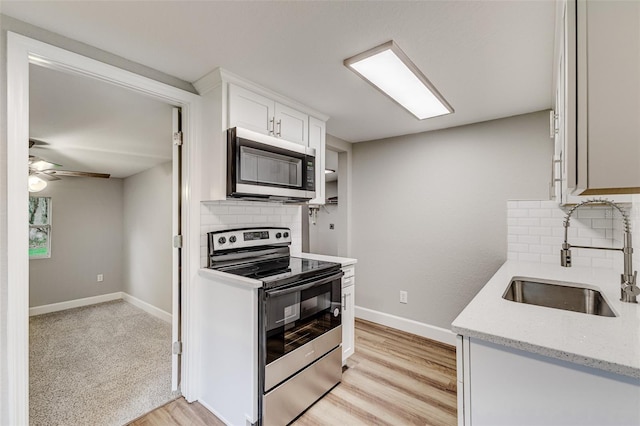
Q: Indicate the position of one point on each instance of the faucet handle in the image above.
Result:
(629, 285)
(631, 290)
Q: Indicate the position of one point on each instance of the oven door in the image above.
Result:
(302, 322)
(264, 166)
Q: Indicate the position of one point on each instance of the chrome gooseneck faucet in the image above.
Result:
(628, 290)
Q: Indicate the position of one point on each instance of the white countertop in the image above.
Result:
(345, 261)
(232, 279)
(611, 344)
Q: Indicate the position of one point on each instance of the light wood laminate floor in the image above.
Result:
(394, 378)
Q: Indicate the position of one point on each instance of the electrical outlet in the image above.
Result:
(100, 278)
(404, 297)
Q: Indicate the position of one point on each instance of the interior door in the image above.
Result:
(177, 250)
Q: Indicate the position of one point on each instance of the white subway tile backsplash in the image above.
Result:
(592, 213)
(518, 230)
(540, 212)
(540, 249)
(528, 221)
(518, 213)
(529, 204)
(529, 257)
(535, 232)
(602, 263)
(527, 239)
(220, 215)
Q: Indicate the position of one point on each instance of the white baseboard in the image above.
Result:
(55, 307)
(148, 308)
(70, 304)
(410, 326)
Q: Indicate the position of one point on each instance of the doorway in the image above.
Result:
(100, 300)
(21, 52)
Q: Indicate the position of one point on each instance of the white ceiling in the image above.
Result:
(489, 59)
(93, 126)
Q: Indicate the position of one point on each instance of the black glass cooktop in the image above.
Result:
(279, 271)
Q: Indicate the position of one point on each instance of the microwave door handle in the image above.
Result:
(296, 288)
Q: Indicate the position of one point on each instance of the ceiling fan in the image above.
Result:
(42, 171)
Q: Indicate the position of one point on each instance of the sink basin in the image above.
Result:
(557, 295)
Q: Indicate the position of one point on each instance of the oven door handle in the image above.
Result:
(296, 288)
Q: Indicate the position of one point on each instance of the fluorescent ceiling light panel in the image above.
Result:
(389, 70)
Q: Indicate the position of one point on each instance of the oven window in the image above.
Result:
(294, 319)
(258, 166)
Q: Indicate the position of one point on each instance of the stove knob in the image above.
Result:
(232, 239)
(222, 240)
(278, 235)
(286, 234)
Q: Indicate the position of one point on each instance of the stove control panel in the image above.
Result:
(233, 239)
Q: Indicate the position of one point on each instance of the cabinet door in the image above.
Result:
(317, 140)
(511, 387)
(291, 124)
(613, 92)
(348, 321)
(250, 110)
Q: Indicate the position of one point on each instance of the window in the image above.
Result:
(39, 227)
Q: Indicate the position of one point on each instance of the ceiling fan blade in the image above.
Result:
(79, 174)
(37, 163)
(45, 176)
(38, 142)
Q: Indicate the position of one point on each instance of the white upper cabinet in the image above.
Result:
(317, 141)
(291, 124)
(609, 105)
(597, 105)
(261, 114)
(250, 110)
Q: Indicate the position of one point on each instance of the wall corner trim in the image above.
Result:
(148, 308)
(408, 325)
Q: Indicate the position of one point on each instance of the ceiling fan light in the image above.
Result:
(389, 69)
(36, 184)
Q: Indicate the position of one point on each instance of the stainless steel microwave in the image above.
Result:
(262, 167)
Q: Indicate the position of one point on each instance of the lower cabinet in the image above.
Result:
(348, 315)
(498, 385)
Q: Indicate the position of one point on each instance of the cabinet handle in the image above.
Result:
(344, 302)
(279, 133)
(553, 120)
(554, 179)
(272, 128)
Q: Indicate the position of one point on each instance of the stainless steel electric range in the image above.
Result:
(300, 330)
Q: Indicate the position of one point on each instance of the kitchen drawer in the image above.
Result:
(349, 271)
(287, 401)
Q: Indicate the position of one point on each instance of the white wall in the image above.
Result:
(429, 212)
(86, 240)
(323, 239)
(148, 238)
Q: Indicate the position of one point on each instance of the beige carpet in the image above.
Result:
(103, 364)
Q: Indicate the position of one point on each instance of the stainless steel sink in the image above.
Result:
(557, 295)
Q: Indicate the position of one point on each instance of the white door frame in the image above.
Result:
(21, 51)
